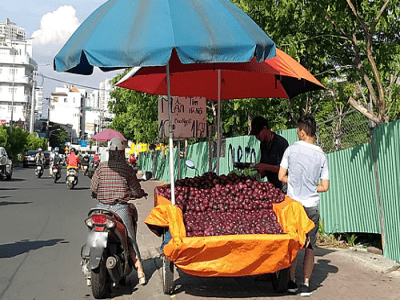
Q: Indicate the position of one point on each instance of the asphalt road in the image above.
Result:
(43, 231)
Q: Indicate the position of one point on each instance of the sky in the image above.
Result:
(50, 23)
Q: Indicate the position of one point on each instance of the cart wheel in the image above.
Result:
(167, 275)
(280, 280)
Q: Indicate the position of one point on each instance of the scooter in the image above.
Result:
(56, 169)
(72, 178)
(105, 256)
(39, 169)
(85, 170)
(92, 167)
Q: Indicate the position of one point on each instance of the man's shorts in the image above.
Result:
(313, 215)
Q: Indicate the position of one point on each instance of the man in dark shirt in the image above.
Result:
(272, 148)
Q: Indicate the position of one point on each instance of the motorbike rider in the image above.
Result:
(54, 159)
(73, 160)
(114, 183)
(85, 161)
(132, 160)
(40, 158)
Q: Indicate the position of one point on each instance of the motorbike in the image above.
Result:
(105, 256)
(72, 178)
(85, 170)
(56, 169)
(39, 169)
(92, 167)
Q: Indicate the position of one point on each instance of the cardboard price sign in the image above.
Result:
(188, 117)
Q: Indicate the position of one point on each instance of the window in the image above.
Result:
(13, 71)
(12, 90)
(65, 100)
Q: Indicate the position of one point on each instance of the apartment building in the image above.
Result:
(16, 75)
(67, 108)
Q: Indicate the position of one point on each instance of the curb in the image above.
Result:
(372, 260)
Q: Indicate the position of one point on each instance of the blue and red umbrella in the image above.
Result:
(132, 33)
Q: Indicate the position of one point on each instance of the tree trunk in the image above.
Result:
(361, 108)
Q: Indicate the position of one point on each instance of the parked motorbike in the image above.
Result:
(39, 169)
(72, 178)
(56, 169)
(105, 256)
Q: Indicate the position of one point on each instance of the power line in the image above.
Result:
(76, 84)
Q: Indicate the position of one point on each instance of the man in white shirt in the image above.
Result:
(304, 167)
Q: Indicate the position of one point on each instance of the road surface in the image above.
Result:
(43, 231)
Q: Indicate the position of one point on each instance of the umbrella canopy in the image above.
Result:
(278, 77)
(107, 135)
(126, 33)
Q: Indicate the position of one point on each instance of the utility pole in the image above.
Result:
(31, 124)
(48, 117)
(13, 86)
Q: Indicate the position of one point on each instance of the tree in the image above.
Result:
(354, 40)
(33, 142)
(18, 141)
(136, 114)
(62, 136)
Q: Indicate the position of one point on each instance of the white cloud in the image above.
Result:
(55, 29)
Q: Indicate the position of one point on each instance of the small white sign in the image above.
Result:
(188, 117)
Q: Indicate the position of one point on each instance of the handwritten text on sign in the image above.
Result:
(188, 117)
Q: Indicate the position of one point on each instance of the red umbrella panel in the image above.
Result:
(107, 135)
(278, 77)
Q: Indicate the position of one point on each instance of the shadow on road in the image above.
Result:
(8, 189)
(17, 248)
(150, 265)
(322, 268)
(225, 287)
(18, 179)
(81, 188)
(4, 203)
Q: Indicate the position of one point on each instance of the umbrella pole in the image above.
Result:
(171, 139)
(219, 121)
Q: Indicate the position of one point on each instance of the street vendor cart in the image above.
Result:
(229, 255)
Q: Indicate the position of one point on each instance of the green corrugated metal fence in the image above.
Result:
(388, 160)
(351, 204)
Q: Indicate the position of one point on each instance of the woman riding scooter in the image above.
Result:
(114, 183)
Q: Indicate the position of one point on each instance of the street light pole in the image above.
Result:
(31, 124)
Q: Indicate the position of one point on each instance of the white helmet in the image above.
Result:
(116, 144)
(40, 149)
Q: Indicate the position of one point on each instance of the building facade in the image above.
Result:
(81, 114)
(67, 108)
(98, 115)
(16, 75)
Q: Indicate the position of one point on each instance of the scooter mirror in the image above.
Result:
(190, 164)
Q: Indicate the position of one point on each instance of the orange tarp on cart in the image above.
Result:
(233, 255)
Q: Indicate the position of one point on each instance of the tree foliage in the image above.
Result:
(18, 141)
(62, 136)
(340, 39)
(136, 114)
